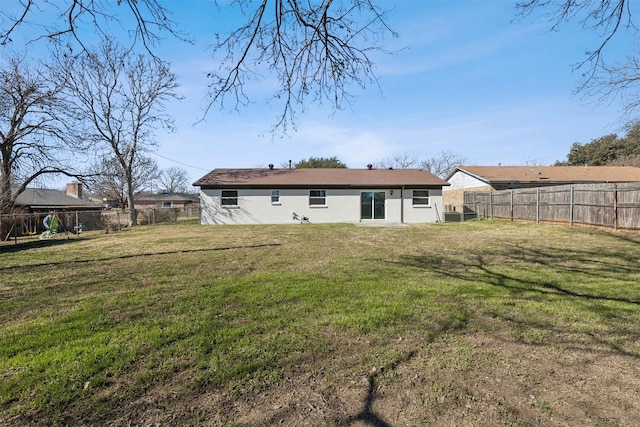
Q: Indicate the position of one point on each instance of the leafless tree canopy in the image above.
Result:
(444, 163)
(317, 50)
(174, 180)
(604, 78)
(606, 17)
(32, 128)
(118, 102)
(403, 160)
(439, 165)
(68, 17)
(107, 180)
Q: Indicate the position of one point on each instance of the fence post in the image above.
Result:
(615, 207)
(571, 203)
(15, 229)
(511, 207)
(491, 204)
(537, 205)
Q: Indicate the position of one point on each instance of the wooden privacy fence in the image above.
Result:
(615, 206)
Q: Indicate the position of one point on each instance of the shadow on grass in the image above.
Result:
(145, 254)
(550, 278)
(476, 268)
(11, 247)
(368, 415)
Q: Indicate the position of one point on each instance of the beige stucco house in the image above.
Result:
(285, 196)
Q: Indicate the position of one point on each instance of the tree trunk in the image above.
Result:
(133, 214)
(6, 205)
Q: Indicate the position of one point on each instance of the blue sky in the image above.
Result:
(468, 77)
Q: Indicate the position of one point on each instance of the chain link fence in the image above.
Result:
(24, 227)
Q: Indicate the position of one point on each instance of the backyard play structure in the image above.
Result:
(51, 224)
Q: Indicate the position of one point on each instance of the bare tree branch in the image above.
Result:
(67, 17)
(607, 16)
(603, 79)
(316, 51)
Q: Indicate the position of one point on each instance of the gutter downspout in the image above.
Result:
(402, 205)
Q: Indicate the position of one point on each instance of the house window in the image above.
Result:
(317, 197)
(229, 198)
(167, 204)
(275, 196)
(420, 197)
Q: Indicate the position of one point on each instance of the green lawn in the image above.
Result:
(462, 318)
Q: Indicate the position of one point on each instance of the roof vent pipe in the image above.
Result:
(289, 164)
(369, 166)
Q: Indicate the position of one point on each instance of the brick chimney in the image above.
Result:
(74, 189)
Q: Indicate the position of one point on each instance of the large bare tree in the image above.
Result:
(118, 103)
(32, 129)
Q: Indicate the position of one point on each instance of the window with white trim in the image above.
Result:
(420, 197)
(229, 198)
(275, 197)
(317, 197)
(167, 204)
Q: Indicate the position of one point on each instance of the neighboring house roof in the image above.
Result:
(168, 197)
(318, 177)
(550, 174)
(42, 198)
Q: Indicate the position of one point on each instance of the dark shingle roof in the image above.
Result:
(318, 177)
(45, 198)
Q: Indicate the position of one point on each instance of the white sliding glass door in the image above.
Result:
(372, 204)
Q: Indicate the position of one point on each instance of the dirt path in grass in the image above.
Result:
(466, 378)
